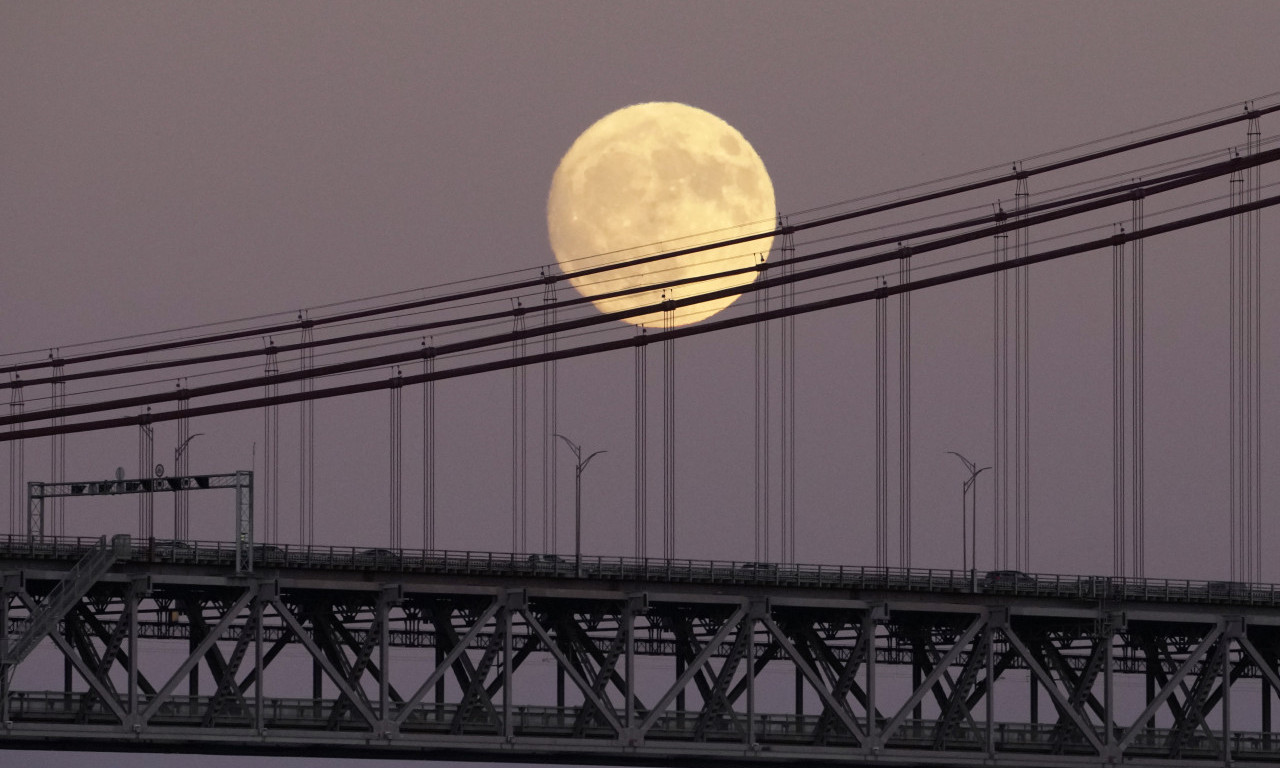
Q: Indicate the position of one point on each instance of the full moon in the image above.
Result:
(653, 178)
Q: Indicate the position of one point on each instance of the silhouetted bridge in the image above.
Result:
(439, 654)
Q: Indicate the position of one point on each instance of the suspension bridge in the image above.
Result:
(273, 643)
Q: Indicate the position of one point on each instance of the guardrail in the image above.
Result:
(548, 721)
(505, 564)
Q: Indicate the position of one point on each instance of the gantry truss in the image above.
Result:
(446, 655)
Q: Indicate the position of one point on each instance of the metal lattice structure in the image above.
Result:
(445, 654)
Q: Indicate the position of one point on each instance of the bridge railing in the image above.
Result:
(551, 566)
(559, 722)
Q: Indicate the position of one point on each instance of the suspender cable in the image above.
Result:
(146, 462)
(395, 426)
(1236, 382)
(1137, 374)
(882, 427)
(550, 418)
(181, 461)
(762, 426)
(1254, 232)
(271, 452)
(1000, 516)
(306, 441)
(428, 449)
(57, 446)
(668, 432)
(519, 439)
(1022, 380)
(641, 444)
(17, 464)
(904, 412)
(1118, 481)
(788, 416)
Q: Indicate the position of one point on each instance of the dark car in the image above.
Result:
(1227, 589)
(759, 568)
(379, 557)
(267, 554)
(172, 549)
(546, 562)
(1008, 579)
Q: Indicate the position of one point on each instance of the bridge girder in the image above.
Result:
(627, 672)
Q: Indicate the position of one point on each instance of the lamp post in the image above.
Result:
(577, 499)
(179, 531)
(970, 483)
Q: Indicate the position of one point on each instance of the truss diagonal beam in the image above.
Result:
(108, 697)
(1064, 706)
(841, 709)
(450, 658)
(1167, 689)
(604, 670)
(1268, 672)
(475, 693)
(320, 657)
(917, 695)
(101, 632)
(717, 705)
(463, 669)
(692, 669)
(197, 654)
(588, 691)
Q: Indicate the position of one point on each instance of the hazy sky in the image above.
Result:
(172, 164)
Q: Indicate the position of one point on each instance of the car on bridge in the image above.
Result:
(268, 554)
(172, 549)
(1008, 579)
(378, 557)
(548, 562)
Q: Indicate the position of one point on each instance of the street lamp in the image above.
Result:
(179, 507)
(971, 482)
(577, 499)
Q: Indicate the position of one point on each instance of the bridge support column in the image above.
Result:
(870, 621)
(392, 595)
(1110, 624)
(996, 617)
(1035, 699)
(515, 601)
(9, 584)
(1266, 711)
(680, 705)
(636, 605)
(138, 589)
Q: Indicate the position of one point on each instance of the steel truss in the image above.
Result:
(532, 668)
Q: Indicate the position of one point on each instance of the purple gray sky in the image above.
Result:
(173, 164)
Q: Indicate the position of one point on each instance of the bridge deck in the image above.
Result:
(517, 657)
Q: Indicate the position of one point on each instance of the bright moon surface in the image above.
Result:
(653, 178)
